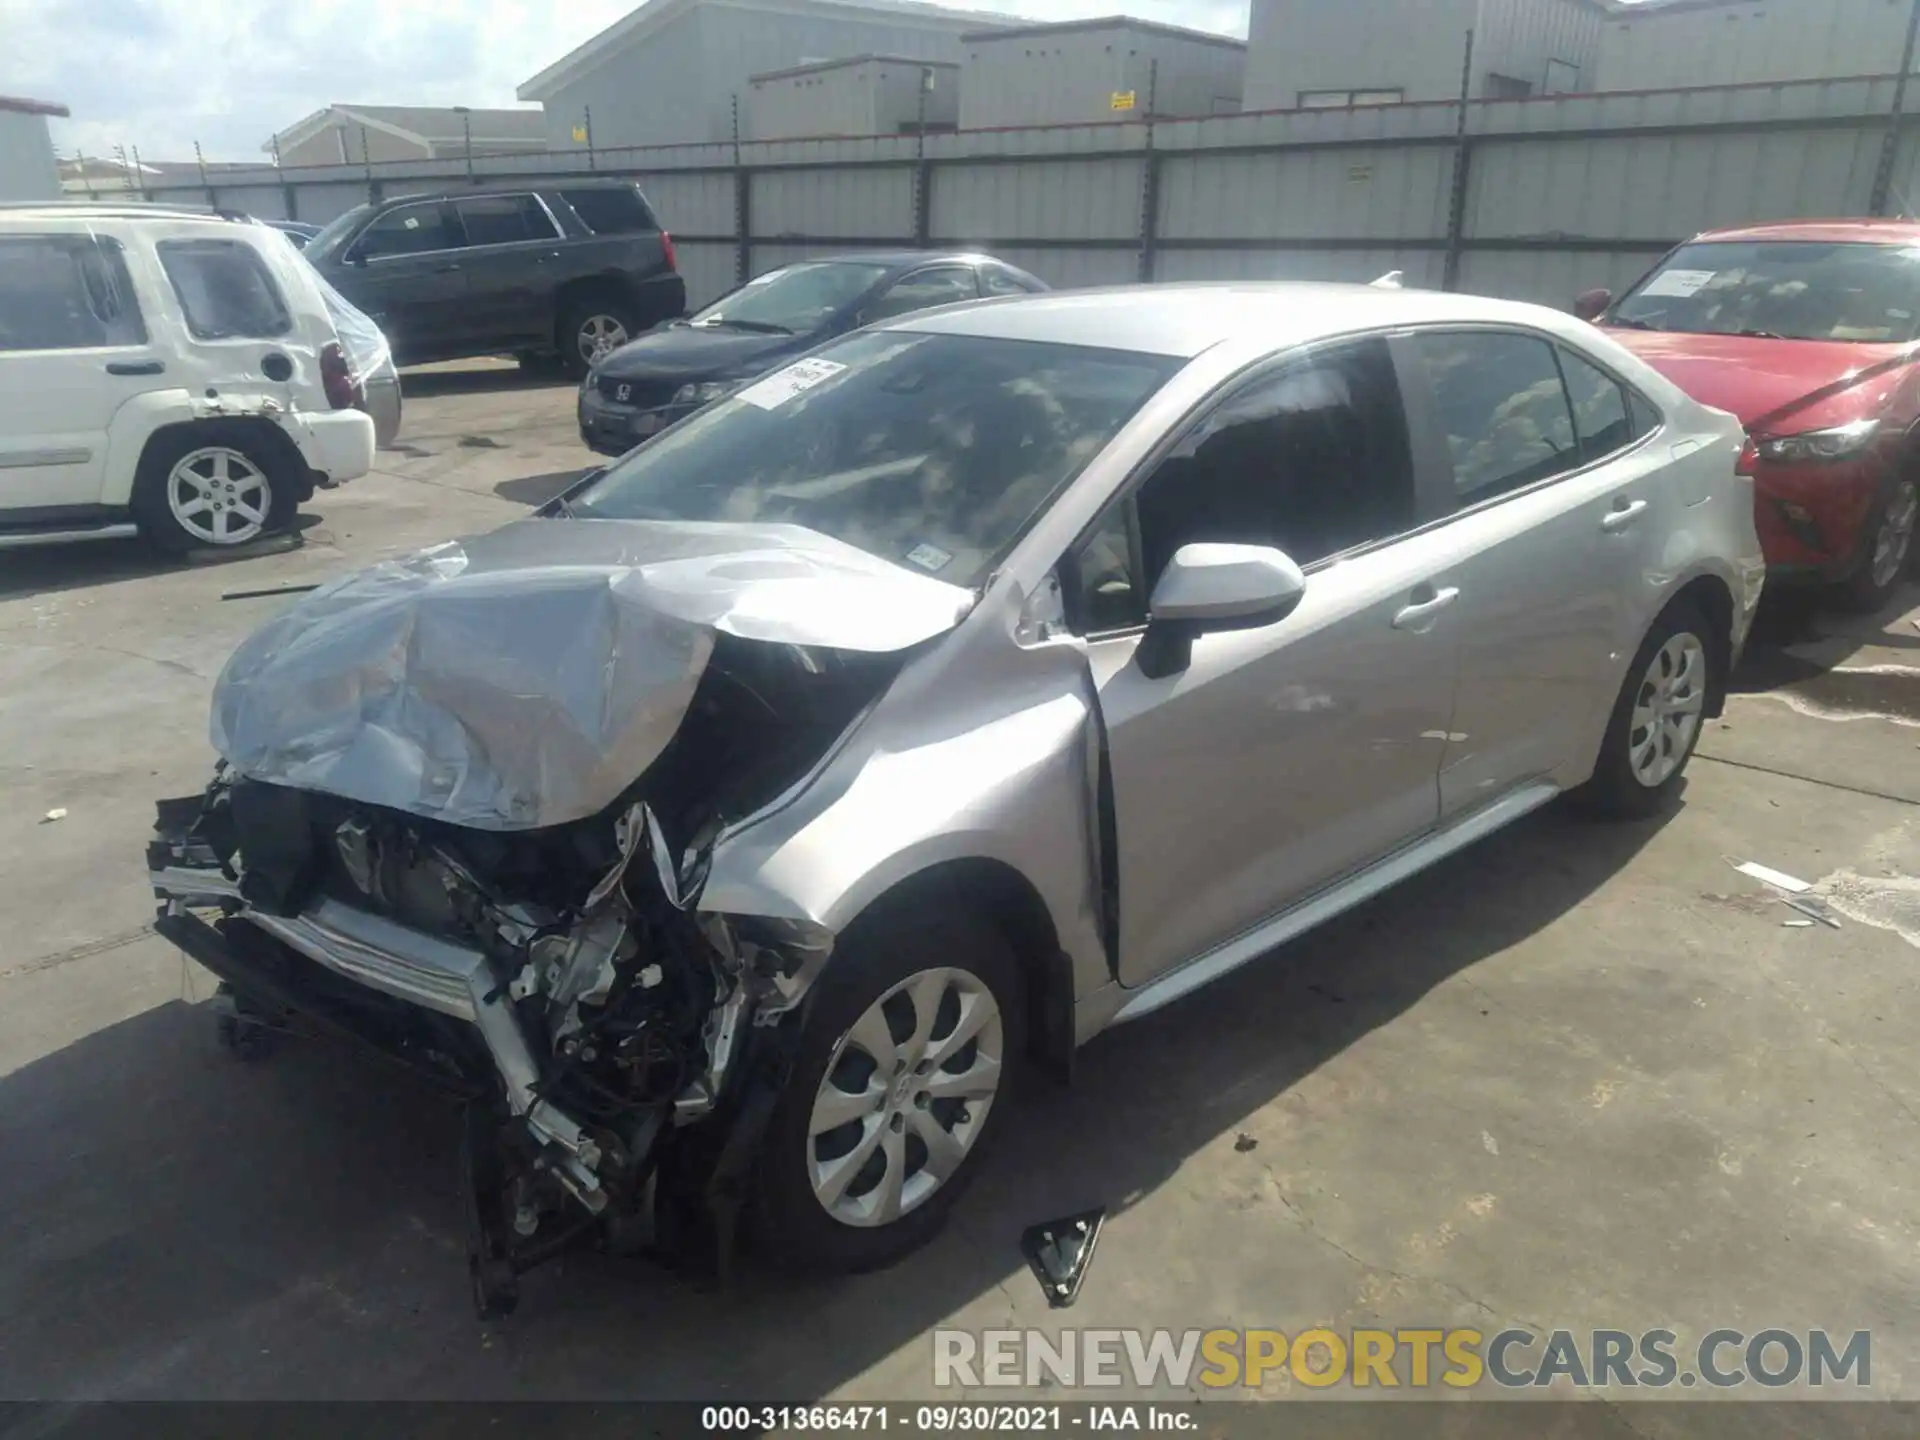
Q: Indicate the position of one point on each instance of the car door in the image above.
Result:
(511, 254)
(404, 270)
(74, 347)
(946, 284)
(1549, 506)
(1285, 756)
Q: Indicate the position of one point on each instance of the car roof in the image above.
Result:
(1873, 232)
(1184, 319)
(531, 185)
(42, 210)
(896, 259)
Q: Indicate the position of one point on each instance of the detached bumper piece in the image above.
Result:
(543, 1168)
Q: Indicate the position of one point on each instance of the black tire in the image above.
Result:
(791, 1227)
(1615, 792)
(1865, 593)
(575, 315)
(271, 455)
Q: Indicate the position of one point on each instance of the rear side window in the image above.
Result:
(611, 209)
(942, 285)
(1601, 416)
(225, 290)
(997, 280)
(1501, 402)
(66, 292)
(407, 230)
(504, 219)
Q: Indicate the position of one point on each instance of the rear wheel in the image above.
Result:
(593, 326)
(1888, 547)
(1656, 719)
(212, 487)
(903, 1075)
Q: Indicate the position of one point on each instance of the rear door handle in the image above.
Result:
(1622, 515)
(1414, 616)
(446, 269)
(136, 367)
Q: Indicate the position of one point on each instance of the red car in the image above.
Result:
(1809, 332)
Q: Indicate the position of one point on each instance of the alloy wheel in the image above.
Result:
(905, 1097)
(600, 336)
(1667, 709)
(218, 496)
(1895, 536)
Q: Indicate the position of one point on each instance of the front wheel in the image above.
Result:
(903, 1074)
(1656, 719)
(1889, 545)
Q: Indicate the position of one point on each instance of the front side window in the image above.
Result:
(503, 219)
(932, 451)
(998, 280)
(1312, 459)
(66, 292)
(225, 290)
(924, 289)
(1782, 290)
(792, 300)
(1503, 408)
(407, 230)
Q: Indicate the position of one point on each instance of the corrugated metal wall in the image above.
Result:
(1560, 194)
(1726, 44)
(1519, 37)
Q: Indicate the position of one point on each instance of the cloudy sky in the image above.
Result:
(161, 74)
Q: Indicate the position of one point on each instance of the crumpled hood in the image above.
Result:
(1761, 380)
(525, 677)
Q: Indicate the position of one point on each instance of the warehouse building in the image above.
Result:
(358, 134)
(1306, 54)
(1659, 44)
(1080, 71)
(862, 95)
(27, 169)
(672, 71)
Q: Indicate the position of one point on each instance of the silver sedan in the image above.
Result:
(969, 686)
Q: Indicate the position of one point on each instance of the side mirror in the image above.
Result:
(1214, 587)
(1592, 304)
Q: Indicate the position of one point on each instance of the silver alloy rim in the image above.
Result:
(1895, 535)
(1667, 709)
(905, 1097)
(600, 335)
(219, 496)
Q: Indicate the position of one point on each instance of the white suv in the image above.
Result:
(173, 372)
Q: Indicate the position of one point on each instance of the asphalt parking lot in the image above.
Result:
(1578, 1077)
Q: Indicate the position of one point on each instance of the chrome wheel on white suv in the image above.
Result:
(218, 496)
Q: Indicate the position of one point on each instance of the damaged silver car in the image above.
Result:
(729, 835)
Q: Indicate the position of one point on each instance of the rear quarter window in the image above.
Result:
(225, 290)
(66, 292)
(611, 210)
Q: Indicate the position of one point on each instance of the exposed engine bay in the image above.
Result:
(561, 981)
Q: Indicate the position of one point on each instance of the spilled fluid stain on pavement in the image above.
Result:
(1853, 692)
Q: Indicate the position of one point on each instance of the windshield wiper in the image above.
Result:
(757, 327)
(1761, 334)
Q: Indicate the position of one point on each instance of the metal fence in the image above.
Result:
(1529, 199)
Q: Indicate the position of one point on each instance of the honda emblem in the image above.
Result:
(623, 392)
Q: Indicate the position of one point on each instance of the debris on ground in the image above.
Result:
(1797, 924)
(1244, 1142)
(270, 591)
(1059, 1251)
(60, 813)
(1808, 906)
(1766, 876)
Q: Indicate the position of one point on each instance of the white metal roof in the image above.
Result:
(1183, 320)
(422, 124)
(655, 15)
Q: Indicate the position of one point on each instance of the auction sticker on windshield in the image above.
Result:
(1677, 282)
(784, 385)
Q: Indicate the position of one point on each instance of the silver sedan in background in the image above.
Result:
(738, 827)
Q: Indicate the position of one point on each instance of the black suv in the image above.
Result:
(574, 269)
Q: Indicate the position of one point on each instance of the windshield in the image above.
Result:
(794, 299)
(336, 229)
(932, 451)
(1787, 290)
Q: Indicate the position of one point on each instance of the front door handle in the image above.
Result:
(136, 367)
(1622, 515)
(1419, 614)
(446, 269)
